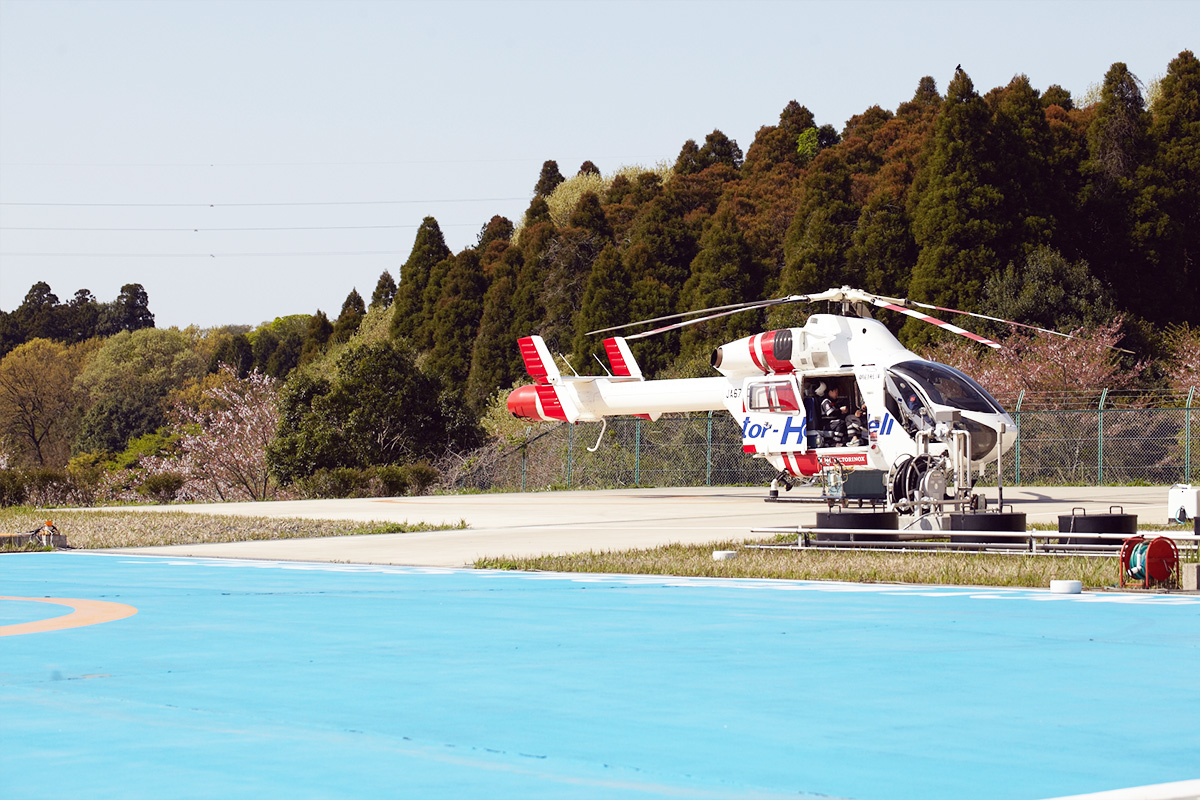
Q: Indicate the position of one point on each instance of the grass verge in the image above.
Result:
(93, 530)
(955, 569)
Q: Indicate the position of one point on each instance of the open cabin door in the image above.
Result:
(774, 420)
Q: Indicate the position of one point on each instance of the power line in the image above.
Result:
(206, 255)
(260, 205)
(211, 230)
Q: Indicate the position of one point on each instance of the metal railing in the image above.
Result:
(1102, 445)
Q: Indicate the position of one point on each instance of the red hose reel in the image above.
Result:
(1155, 559)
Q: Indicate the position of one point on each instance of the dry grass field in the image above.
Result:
(93, 530)
(970, 569)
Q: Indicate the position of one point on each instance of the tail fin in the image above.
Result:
(538, 361)
(621, 358)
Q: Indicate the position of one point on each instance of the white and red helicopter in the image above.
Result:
(929, 427)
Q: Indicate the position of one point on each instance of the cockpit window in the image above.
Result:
(947, 386)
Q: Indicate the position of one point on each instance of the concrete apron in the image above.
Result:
(540, 523)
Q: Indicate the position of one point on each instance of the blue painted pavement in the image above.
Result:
(262, 679)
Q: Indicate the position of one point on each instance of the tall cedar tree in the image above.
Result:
(1117, 145)
(497, 229)
(422, 337)
(1031, 193)
(957, 220)
(548, 179)
(723, 272)
(816, 243)
(428, 249)
(495, 357)
(606, 302)
(455, 319)
(316, 336)
(589, 216)
(565, 263)
(351, 316)
(1168, 208)
(385, 291)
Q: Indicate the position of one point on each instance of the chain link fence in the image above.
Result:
(1113, 446)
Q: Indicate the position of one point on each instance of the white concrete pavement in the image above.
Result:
(539, 523)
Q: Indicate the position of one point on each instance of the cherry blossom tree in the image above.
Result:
(223, 438)
(1043, 363)
(1183, 370)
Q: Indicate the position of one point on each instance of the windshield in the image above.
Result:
(947, 386)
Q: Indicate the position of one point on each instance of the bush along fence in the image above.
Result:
(1103, 445)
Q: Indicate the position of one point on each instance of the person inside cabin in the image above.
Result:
(841, 420)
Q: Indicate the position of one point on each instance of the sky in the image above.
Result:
(253, 159)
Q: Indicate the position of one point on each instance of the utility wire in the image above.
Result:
(206, 255)
(262, 205)
(210, 230)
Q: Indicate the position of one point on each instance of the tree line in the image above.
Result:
(1016, 203)
(1021, 204)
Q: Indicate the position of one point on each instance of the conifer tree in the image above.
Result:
(315, 336)
(688, 161)
(495, 357)
(882, 249)
(538, 211)
(548, 179)
(352, 313)
(1031, 193)
(454, 321)
(1167, 211)
(957, 218)
(422, 337)
(589, 216)
(385, 291)
(819, 236)
(588, 168)
(723, 272)
(606, 302)
(497, 229)
(428, 249)
(1117, 145)
(720, 149)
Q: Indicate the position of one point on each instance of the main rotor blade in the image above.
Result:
(732, 308)
(1017, 324)
(706, 318)
(935, 321)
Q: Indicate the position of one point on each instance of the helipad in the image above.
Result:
(300, 680)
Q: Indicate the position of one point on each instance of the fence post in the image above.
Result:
(1100, 439)
(570, 452)
(637, 451)
(708, 454)
(1020, 399)
(1187, 437)
(524, 462)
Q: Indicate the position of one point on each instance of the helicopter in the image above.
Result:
(928, 427)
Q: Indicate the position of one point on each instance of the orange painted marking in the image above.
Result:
(84, 612)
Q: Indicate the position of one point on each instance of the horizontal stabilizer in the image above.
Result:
(542, 402)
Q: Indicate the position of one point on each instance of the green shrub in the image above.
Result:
(393, 481)
(420, 477)
(163, 487)
(12, 487)
(48, 487)
(386, 481)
